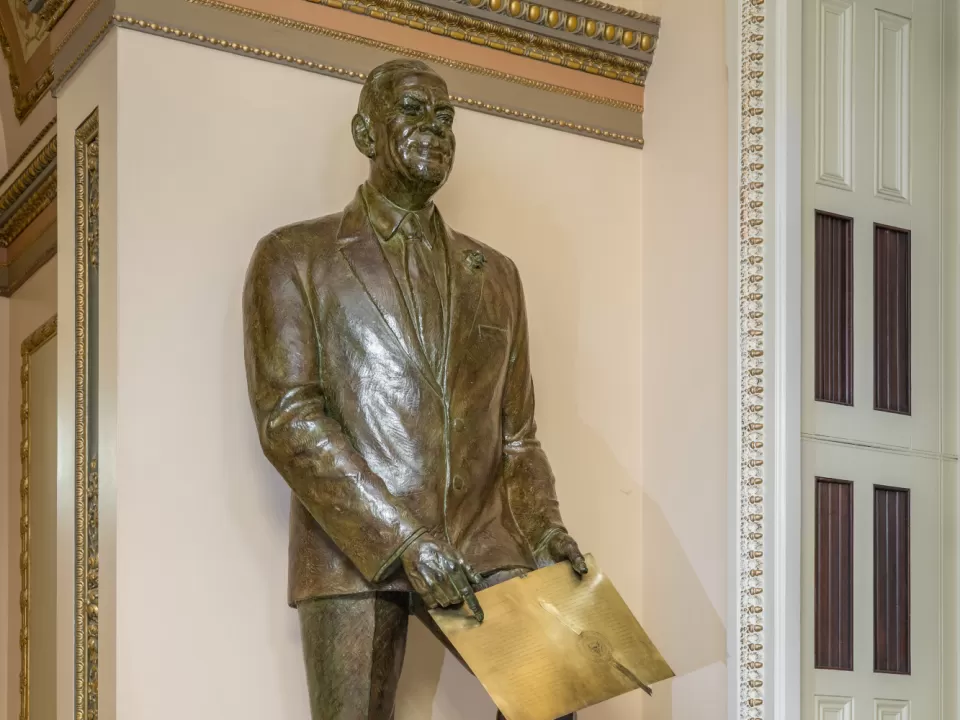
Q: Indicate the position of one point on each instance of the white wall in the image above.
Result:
(623, 258)
(6, 569)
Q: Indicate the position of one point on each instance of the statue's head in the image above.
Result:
(404, 124)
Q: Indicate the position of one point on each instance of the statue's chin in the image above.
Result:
(430, 173)
(431, 166)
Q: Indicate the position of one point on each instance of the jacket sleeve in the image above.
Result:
(307, 447)
(527, 474)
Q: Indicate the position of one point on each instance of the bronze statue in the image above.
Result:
(388, 369)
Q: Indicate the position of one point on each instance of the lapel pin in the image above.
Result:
(474, 259)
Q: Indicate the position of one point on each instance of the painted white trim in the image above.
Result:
(784, 501)
(771, 690)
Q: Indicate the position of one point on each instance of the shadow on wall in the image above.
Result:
(666, 595)
(602, 500)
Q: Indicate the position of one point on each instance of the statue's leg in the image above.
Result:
(353, 648)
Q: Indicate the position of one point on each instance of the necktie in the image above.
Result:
(424, 291)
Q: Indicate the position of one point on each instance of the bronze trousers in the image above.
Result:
(353, 648)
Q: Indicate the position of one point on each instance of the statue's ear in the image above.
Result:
(363, 134)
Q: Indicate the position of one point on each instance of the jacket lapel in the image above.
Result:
(467, 278)
(360, 248)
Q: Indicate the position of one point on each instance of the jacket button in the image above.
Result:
(458, 483)
(459, 424)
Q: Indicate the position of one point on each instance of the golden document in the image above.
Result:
(552, 643)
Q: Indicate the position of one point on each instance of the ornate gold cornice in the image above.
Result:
(613, 113)
(91, 8)
(29, 210)
(37, 167)
(545, 17)
(471, 103)
(24, 200)
(53, 10)
(15, 165)
(427, 57)
(33, 191)
(626, 12)
(494, 34)
(23, 100)
(82, 55)
(549, 122)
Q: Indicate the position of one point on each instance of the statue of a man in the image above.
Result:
(389, 374)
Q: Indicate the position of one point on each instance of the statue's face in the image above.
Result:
(414, 138)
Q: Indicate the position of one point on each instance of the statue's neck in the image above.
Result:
(396, 192)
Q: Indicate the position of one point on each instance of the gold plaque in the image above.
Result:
(553, 643)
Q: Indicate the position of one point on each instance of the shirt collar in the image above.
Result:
(386, 218)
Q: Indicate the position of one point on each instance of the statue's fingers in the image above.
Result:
(469, 597)
(571, 552)
(429, 600)
(472, 575)
(446, 591)
(420, 585)
(436, 590)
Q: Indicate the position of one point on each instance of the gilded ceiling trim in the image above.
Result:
(505, 38)
(86, 474)
(53, 10)
(82, 55)
(37, 167)
(471, 103)
(27, 86)
(29, 210)
(15, 165)
(549, 122)
(91, 8)
(23, 100)
(37, 339)
(626, 12)
(399, 50)
(25, 211)
(538, 16)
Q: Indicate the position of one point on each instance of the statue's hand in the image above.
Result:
(558, 546)
(440, 574)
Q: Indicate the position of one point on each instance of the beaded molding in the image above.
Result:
(751, 345)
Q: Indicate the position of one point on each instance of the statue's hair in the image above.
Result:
(376, 82)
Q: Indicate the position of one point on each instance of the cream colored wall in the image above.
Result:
(43, 532)
(32, 305)
(6, 569)
(623, 255)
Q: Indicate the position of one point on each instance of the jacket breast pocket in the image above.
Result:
(486, 360)
(492, 332)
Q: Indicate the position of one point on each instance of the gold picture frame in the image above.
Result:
(87, 148)
(36, 340)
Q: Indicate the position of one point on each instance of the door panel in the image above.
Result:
(873, 351)
(868, 472)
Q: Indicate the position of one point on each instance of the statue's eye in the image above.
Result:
(411, 106)
(445, 116)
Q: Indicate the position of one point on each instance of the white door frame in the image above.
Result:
(764, 480)
(764, 473)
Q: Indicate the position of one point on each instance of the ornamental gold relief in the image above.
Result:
(570, 42)
(37, 339)
(266, 54)
(86, 477)
(538, 14)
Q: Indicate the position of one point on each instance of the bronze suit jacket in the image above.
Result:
(375, 447)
